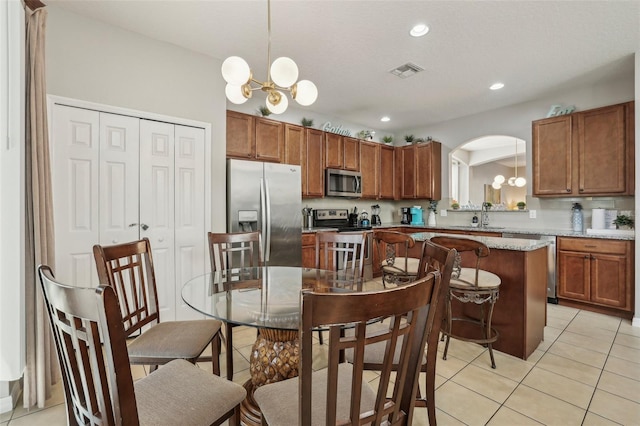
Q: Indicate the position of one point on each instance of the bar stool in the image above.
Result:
(471, 285)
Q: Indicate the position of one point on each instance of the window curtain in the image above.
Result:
(41, 367)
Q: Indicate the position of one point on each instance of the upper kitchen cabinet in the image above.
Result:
(312, 160)
(342, 152)
(589, 153)
(386, 176)
(256, 138)
(419, 168)
(370, 157)
(293, 143)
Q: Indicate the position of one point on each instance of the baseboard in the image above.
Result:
(635, 322)
(8, 403)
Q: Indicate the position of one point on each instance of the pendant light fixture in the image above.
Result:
(281, 76)
(512, 181)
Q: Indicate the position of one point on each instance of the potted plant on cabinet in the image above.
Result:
(521, 205)
(387, 139)
(455, 205)
(623, 222)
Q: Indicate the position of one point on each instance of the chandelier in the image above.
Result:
(281, 77)
(512, 181)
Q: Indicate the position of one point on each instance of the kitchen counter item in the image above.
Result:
(375, 215)
(406, 215)
(416, 216)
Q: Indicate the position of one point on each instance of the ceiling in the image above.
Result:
(348, 47)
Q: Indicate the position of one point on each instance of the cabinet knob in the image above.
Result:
(587, 256)
(568, 189)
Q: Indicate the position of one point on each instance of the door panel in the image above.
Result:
(157, 206)
(74, 171)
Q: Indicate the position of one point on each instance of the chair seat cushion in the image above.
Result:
(486, 279)
(164, 396)
(398, 267)
(173, 340)
(374, 353)
(279, 401)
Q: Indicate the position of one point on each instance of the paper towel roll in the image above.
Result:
(598, 218)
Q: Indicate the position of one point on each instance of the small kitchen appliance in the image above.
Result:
(416, 216)
(375, 215)
(406, 215)
(364, 219)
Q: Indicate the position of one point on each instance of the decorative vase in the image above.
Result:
(576, 220)
(431, 220)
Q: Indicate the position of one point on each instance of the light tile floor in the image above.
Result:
(585, 372)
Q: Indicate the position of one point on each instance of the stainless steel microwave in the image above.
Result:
(343, 183)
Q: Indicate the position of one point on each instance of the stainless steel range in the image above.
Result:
(340, 219)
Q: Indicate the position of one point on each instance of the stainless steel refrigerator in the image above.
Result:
(267, 197)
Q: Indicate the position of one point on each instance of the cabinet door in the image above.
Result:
(293, 144)
(408, 172)
(240, 135)
(334, 151)
(574, 275)
(552, 156)
(269, 140)
(309, 250)
(312, 164)
(602, 151)
(610, 281)
(370, 171)
(428, 168)
(351, 154)
(386, 175)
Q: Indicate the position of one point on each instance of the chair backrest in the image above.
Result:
(128, 269)
(461, 245)
(407, 308)
(341, 251)
(393, 245)
(97, 379)
(235, 250)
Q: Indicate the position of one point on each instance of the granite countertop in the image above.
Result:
(515, 244)
(551, 232)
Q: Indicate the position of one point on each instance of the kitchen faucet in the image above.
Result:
(484, 215)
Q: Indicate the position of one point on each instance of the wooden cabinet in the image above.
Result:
(596, 272)
(589, 153)
(419, 167)
(256, 138)
(293, 143)
(386, 176)
(309, 250)
(342, 152)
(312, 160)
(370, 158)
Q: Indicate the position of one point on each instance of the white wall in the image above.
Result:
(92, 61)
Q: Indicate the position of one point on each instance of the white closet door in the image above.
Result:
(75, 151)
(119, 177)
(157, 207)
(191, 248)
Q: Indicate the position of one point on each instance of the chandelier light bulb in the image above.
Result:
(305, 92)
(499, 179)
(284, 72)
(496, 185)
(520, 182)
(236, 71)
(512, 181)
(234, 94)
(277, 104)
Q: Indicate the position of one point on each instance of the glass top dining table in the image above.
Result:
(266, 297)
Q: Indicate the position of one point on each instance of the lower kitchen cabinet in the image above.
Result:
(309, 250)
(596, 272)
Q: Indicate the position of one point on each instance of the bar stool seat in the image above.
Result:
(471, 285)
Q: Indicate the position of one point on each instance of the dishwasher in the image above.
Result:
(552, 295)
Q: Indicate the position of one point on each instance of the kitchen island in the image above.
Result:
(520, 313)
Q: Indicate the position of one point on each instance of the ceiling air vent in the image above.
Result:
(406, 70)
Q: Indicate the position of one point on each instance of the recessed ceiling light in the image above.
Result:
(419, 30)
(385, 119)
(496, 86)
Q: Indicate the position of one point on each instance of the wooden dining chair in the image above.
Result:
(437, 259)
(228, 251)
(343, 253)
(340, 393)
(395, 263)
(128, 268)
(98, 385)
(471, 285)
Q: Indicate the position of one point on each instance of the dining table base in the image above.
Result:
(275, 356)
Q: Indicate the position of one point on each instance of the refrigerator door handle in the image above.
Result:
(267, 225)
(263, 212)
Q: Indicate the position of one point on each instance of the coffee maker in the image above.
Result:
(406, 215)
(375, 215)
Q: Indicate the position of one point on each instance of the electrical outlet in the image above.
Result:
(532, 214)
(443, 212)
